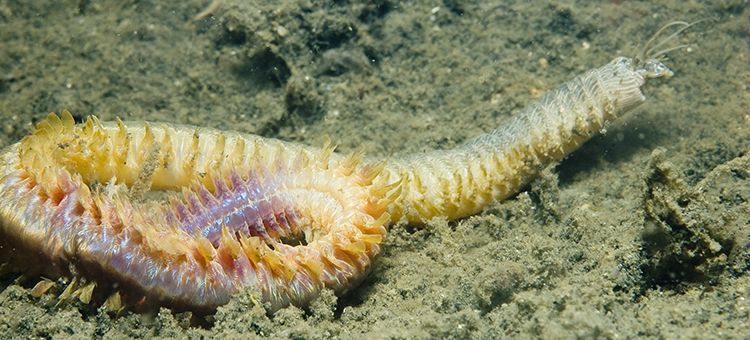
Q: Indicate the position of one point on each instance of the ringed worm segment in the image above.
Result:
(186, 217)
(252, 212)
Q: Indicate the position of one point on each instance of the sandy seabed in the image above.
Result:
(643, 232)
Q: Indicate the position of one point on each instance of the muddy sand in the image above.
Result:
(642, 232)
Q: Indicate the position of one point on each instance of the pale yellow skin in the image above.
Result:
(345, 203)
(461, 182)
(341, 212)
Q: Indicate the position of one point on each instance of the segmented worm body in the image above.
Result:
(186, 217)
(460, 182)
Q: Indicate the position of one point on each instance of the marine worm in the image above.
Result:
(142, 214)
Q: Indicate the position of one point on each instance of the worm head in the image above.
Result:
(647, 61)
(654, 68)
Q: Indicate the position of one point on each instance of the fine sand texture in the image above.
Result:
(643, 232)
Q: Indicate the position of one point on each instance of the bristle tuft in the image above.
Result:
(67, 120)
(230, 242)
(114, 303)
(326, 152)
(42, 287)
(205, 249)
(369, 172)
(350, 163)
(84, 294)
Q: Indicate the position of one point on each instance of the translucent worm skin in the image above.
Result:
(285, 219)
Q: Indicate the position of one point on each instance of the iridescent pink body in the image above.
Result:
(251, 207)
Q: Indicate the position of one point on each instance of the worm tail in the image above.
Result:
(460, 182)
